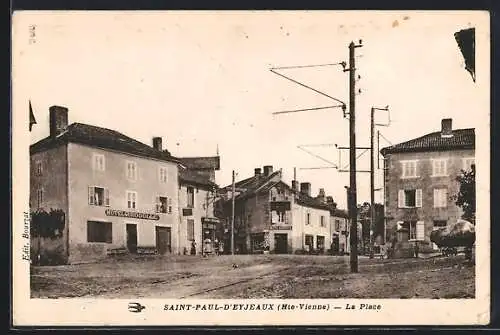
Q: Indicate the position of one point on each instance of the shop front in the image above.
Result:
(209, 236)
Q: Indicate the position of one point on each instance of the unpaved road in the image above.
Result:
(256, 276)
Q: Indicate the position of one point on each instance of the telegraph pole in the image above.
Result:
(352, 158)
(372, 170)
(372, 178)
(232, 215)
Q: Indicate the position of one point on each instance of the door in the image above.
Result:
(132, 237)
(281, 243)
(163, 240)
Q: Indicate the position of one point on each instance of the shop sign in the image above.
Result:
(280, 206)
(132, 215)
(187, 211)
(281, 227)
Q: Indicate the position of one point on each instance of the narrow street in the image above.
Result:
(257, 276)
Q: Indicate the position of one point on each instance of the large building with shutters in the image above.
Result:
(420, 182)
(118, 195)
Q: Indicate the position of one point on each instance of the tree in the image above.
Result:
(466, 197)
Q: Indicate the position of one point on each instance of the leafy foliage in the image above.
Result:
(466, 197)
(47, 224)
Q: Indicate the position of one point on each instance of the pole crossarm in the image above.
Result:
(318, 156)
(318, 168)
(306, 86)
(304, 66)
(307, 109)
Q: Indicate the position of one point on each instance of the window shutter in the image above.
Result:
(418, 198)
(420, 230)
(157, 204)
(106, 196)
(401, 199)
(91, 195)
(170, 205)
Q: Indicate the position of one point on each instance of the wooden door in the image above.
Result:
(163, 240)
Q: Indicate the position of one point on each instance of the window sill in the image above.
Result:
(439, 175)
(410, 177)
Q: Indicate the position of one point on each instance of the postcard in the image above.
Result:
(208, 168)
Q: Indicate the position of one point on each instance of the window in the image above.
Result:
(337, 225)
(409, 169)
(322, 221)
(190, 229)
(38, 167)
(131, 199)
(410, 198)
(308, 218)
(98, 196)
(131, 171)
(39, 197)
(161, 205)
(98, 163)
(163, 174)
(99, 232)
(190, 197)
(412, 233)
(468, 162)
(278, 216)
(440, 197)
(439, 167)
(439, 223)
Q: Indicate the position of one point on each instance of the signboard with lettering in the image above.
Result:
(209, 223)
(133, 215)
(281, 227)
(280, 206)
(187, 211)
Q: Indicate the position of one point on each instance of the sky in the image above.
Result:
(201, 80)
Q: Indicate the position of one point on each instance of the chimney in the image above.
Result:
(257, 171)
(305, 188)
(321, 195)
(268, 169)
(329, 201)
(58, 120)
(295, 185)
(446, 129)
(157, 143)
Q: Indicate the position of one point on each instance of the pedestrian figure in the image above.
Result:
(193, 248)
(216, 247)
(221, 248)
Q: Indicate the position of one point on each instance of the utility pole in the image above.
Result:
(353, 238)
(232, 216)
(372, 178)
(372, 171)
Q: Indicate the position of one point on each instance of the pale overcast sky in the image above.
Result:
(202, 80)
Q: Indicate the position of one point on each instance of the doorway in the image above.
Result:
(281, 243)
(163, 240)
(132, 238)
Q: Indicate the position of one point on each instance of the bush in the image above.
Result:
(300, 252)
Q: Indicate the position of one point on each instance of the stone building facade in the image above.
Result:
(272, 216)
(420, 182)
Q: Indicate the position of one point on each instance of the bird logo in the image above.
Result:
(135, 307)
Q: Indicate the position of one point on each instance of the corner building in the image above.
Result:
(117, 193)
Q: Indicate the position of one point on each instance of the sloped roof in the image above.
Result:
(201, 163)
(251, 185)
(261, 183)
(308, 201)
(340, 213)
(102, 138)
(194, 177)
(461, 139)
